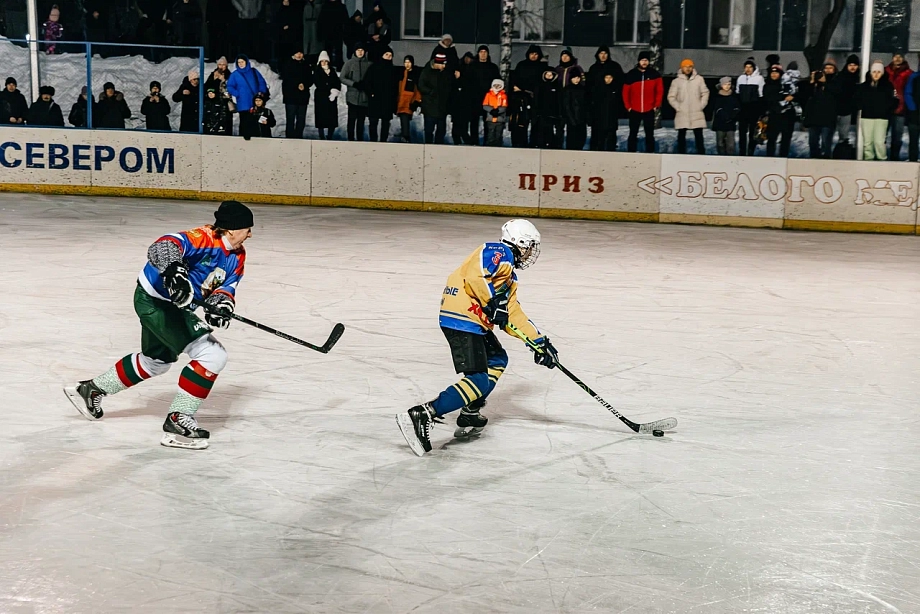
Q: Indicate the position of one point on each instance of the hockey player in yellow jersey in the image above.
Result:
(479, 296)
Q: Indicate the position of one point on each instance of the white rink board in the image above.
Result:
(871, 193)
(17, 143)
(704, 188)
(587, 181)
(367, 171)
(257, 166)
(167, 161)
(490, 176)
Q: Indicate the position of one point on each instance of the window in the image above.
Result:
(732, 23)
(632, 22)
(539, 20)
(423, 18)
(844, 36)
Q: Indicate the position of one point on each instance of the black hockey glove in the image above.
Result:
(548, 356)
(177, 283)
(218, 310)
(497, 310)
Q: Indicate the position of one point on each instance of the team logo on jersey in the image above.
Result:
(213, 281)
(496, 258)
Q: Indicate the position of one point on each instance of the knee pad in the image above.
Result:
(153, 366)
(208, 352)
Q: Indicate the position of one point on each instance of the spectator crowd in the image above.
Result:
(339, 59)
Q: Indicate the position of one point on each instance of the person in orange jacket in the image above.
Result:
(643, 91)
(495, 104)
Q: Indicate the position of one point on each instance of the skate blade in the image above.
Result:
(408, 431)
(171, 440)
(466, 432)
(77, 401)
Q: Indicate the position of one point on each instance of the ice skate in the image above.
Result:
(182, 431)
(470, 422)
(416, 426)
(87, 398)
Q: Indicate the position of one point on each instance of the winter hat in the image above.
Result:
(725, 80)
(750, 62)
(156, 84)
(108, 85)
(211, 89)
(772, 59)
(793, 65)
(535, 49)
(411, 58)
(877, 65)
(260, 96)
(853, 59)
(46, 89)
(483, 48)
(567, 51)
(440, 58)
(10, 80)
(223, 59)
(447, 37)
(233, 215)
(361, 46)
(193, 74)
(83, 91)
(322, 56)
(830, 62)
(645, 55)
(498, 84)
(686, 62)
(468, 56)
(386, 50)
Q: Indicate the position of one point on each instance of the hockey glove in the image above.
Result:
(495, 113)
(218, 310)
(497, 310)
(547, 356)
(177, 283)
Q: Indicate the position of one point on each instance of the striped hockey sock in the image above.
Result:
(127, 372)
(195, 383)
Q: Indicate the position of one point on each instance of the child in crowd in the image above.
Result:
(265, 119)
(495, 105)
(216, 113)
(726, 106)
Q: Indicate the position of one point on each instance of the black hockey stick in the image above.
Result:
(645, 428)
(337, 331)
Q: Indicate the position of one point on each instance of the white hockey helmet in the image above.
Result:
(524, 240)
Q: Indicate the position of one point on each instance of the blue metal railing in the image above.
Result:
(88, 48)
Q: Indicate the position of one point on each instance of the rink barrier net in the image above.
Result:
(830, 195)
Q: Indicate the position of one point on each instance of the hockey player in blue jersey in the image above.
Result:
(203, 265)
(480, 296)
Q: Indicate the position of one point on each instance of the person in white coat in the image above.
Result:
(689, 96)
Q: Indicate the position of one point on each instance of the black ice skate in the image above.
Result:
(416, 425)
(182, 431)
(470, 422)
(87, 398)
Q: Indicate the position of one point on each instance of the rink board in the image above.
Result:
(733, 191)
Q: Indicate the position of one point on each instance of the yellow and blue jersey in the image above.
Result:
(486, 272)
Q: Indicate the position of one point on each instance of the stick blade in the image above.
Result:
(667, 424)
(334, 337)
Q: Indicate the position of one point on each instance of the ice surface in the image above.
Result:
(790, 360)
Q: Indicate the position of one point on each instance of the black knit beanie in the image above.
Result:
(233, 215)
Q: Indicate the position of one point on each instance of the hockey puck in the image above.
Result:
(658, 433)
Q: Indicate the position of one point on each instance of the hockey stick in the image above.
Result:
(337, 331)
(645, 428)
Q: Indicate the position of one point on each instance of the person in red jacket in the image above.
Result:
(643, 91)
(898, 73)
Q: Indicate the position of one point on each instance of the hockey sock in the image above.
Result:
(129, 371)
(473, 386)
(195, 383)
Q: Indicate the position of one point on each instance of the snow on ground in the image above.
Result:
(132, 76)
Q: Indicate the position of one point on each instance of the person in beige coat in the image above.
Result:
(689, 95)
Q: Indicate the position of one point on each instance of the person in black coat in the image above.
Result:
(155, 109)
(381, 84)
(525, 81)
(820, 115)
(574, 114)
(77, 116)
(216, 114)
(326, 95)
(187, 95)
(185, 16)
(876, 99)
(13, 105)
(378, 37)
(45, 111)
(97, 20)
(778, 96)
(599, 86)
(464, 105)
(843, 88)
(111, 111)
(296, 79)
(435, 85)
(603, 111)
(354, 33)
(484, 73)
(220, 17)
(330, 26)
(289, 22)
(548, 111)
(263, 119)
(726, 107)
(446, 47)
